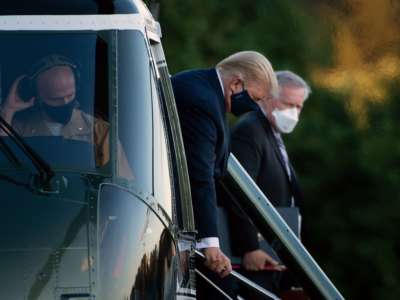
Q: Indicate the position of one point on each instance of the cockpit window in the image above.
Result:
(51, 96)
(58, 90)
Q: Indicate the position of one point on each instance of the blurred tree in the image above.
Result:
(366, 56)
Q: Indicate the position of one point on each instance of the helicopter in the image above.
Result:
(100, 208)
(75, 224)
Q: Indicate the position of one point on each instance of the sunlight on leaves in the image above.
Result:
(366, 54)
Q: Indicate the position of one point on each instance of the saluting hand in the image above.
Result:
(14, 103)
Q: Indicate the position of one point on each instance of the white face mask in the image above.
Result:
(286, 119)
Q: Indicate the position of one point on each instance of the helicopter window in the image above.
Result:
(162, 157)
(135, 109)
(57, 95)
(50, 96)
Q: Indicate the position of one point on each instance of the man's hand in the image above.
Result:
(257, 259)
(217, 262)
(14, 103)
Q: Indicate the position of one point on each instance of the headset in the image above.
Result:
(27, 86)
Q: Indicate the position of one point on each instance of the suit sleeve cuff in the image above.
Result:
(207, 243)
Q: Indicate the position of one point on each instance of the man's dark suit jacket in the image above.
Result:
(201, 108)
(255, 146)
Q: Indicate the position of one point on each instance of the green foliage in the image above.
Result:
(350, 176)
(200, 33)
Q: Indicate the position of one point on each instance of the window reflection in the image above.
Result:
(134, 109)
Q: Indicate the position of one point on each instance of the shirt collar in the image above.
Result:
(263, 111)
(275, 132)
(220, 81)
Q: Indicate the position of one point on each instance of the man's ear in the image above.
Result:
(236, 84)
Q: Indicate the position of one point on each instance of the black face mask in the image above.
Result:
(242, 103)
(60, 114)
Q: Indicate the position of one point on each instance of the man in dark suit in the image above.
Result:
(258, 145)
(203, 97)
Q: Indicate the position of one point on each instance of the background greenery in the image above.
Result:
(346, 148)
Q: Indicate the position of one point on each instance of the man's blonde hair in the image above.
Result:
(250, 66)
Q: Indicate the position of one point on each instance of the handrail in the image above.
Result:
(268, 221)
(241, 278)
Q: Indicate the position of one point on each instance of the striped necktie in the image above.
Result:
(282, 149)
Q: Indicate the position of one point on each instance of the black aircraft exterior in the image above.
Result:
(91, 213)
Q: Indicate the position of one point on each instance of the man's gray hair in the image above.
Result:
(250, 66)
(289, 79)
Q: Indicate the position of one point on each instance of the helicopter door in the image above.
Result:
(137, 256)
